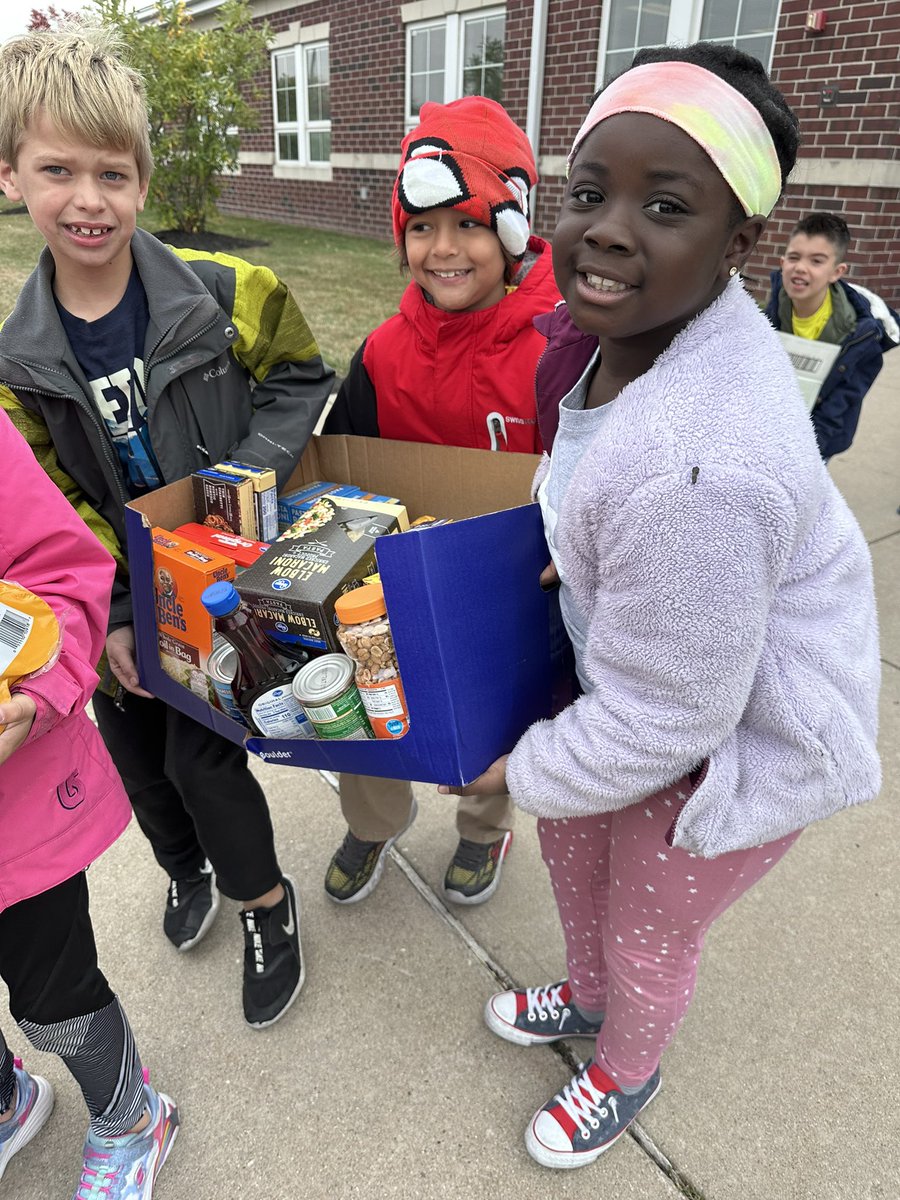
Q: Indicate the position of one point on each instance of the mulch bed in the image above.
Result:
(210, 242)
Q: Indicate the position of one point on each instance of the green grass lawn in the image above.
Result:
(344, 285)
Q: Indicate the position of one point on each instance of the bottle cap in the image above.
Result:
(362, 604)
(220, 598)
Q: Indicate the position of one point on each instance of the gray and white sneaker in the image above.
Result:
(191, 907)
(532, 1016)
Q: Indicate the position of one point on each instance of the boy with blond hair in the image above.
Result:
(810, 298)
(128, 365)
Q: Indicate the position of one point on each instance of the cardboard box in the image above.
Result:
(181, 571)
(480, 646)
(330, 549)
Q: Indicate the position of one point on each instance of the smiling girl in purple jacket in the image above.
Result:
(715, 586)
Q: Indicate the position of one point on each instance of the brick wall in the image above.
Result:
(368, 62)
(857, 55)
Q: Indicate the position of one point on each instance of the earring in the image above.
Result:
(732, 272)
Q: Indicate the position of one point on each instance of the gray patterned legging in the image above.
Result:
(63, 1004)
(634, 913)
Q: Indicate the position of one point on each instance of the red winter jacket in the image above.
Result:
(457, 379)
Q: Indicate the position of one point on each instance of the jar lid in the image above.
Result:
(361, 604)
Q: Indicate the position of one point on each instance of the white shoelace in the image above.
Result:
(544, 1001)
(584, 1103)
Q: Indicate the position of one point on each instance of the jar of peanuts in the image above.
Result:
(365, 634)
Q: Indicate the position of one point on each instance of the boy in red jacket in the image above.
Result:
(454, 366)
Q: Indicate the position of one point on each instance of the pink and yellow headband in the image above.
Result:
(710, 111)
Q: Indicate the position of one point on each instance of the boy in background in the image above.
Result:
(128, 365)
(811, 299)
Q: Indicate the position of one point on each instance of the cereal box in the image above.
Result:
(265, 496)
(181, 571)
(225, 501)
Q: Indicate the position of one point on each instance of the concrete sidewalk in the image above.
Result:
(383, 1082)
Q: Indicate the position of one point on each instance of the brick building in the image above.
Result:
(346, 78)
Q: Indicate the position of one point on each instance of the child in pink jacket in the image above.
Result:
(61, 804)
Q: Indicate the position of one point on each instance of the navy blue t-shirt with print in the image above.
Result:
(110, 352)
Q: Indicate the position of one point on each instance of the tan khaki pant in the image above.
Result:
(376, 809)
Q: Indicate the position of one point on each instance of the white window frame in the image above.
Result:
(454, 39)
(685, 19)
(303, 126)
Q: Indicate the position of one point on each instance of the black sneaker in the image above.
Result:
(273, 967)
(191, 907)
(474, 874)
(357, 866)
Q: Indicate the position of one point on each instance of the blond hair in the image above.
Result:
(78, 80)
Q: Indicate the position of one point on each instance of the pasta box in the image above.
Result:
(479, 644)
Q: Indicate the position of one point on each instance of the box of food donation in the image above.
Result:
(478, 642)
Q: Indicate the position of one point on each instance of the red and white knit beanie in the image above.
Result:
(471, 156)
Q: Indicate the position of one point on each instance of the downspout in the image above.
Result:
(536, 77)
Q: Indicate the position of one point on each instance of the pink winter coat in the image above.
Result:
(61, 799)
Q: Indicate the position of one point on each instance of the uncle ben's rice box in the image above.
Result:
(184, 628)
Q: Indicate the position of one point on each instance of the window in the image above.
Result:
(629, 25)
(458, 55)
(301, 88)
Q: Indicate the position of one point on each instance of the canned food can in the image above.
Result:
(221, 668)
(331, 700)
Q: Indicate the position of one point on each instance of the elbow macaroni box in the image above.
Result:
(480, 647)
(184, 630)
(328, 550)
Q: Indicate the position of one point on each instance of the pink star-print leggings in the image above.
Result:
(634, 913)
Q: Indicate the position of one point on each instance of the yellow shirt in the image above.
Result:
(811, 327)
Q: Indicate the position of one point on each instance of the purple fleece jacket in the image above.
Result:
(729, 599)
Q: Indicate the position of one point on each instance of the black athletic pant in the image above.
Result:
(193, 795)
(60, 999)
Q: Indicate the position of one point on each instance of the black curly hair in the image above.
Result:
(747, 76)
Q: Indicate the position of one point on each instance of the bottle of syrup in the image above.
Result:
(262, 682)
